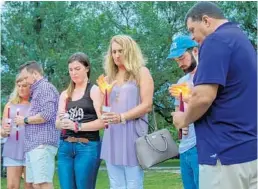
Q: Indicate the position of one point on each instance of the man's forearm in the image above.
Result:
(36, 119)
(196, 108)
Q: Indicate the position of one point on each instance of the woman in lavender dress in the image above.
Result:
(130, 99)
(13, 152)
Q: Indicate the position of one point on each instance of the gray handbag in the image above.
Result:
(156, 147)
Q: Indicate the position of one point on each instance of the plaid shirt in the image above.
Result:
(44, 101)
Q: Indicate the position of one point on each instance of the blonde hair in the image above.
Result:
(14, 97)
(133, 61)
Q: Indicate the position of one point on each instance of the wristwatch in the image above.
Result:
(25, 120)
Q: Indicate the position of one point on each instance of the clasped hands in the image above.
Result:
(111, 118)
(65, 122)
(19, 120)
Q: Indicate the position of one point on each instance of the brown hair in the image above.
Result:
(84, 60)
(31, 66)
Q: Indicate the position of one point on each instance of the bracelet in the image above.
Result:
(79, 126)
(122, 119)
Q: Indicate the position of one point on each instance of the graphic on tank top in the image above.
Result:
(75, 114)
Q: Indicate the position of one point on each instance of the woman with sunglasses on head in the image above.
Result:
(130, 99)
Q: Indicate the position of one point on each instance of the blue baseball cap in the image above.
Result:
(180, 45)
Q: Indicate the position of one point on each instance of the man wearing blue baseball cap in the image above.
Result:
(181, 48)
(185, 52)
(223, 104)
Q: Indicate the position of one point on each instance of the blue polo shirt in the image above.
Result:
(228, 130)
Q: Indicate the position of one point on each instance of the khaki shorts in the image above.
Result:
(40, 164)
(237, 176)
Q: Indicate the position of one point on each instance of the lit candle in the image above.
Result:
(105, 89)
(8, 117)
(106, 102)
(106, 98)
(181, 105)
(182, 109)
(17, 129)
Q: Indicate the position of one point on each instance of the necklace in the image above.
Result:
(117, 95)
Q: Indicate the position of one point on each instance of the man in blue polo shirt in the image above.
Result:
(184, 51)
(223, 104)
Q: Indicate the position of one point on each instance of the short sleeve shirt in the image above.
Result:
(228, 130)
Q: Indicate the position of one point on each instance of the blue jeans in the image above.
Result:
(125, 177)
(78, 164)
(190, 169)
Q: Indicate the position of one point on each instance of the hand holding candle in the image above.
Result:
(179, 91)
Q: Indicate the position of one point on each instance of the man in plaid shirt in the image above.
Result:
(41, 136)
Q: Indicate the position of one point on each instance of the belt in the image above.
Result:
(73, 139)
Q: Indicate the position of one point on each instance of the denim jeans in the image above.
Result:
(190, 169)
(125, 177)
(78, 164)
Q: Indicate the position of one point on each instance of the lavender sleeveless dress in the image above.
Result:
(118, 145)
(13, 148)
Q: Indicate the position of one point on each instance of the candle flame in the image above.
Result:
(181, 88)
(103, 85)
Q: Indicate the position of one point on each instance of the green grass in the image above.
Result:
(152, 180)
(168, 163)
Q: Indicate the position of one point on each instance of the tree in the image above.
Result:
(50, 32)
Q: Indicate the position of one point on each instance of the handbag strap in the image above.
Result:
(155, 128)
(153, 147)
(154, 119)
